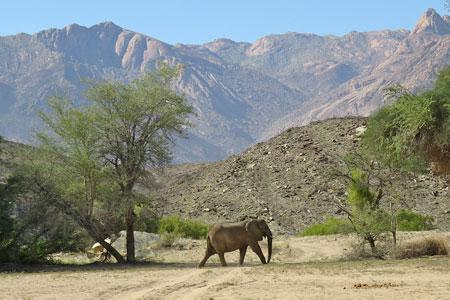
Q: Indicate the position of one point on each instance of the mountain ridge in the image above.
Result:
(241, 92)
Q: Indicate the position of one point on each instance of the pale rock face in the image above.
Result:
(432, 22)
(262, 46)
(135, 49)
(122, 43)
(241, 92)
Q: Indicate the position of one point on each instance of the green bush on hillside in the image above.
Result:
(331, 225)
(406, 221)
(410, 221)
(413, 133)
(182, 227)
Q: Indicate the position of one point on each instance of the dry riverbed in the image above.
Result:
(302, 268)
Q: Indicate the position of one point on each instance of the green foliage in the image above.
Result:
(331, 225)
(366, 216)
(411, 221)
(6, 221)
(138, 121)
(95, 154)
(360, 197)
(147, 219)
(30, 229)
(183, 228)
(413, 131)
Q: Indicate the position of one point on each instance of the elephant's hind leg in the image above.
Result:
(255, 247)
(242, 252)
(209, 251)
(222, 259)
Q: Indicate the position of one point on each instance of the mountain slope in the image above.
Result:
(242, 92)
(285, 180)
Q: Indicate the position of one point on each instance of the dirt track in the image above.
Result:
(426, 278)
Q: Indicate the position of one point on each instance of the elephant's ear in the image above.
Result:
(253, 230)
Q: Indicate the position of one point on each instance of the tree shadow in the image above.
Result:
(98, 266)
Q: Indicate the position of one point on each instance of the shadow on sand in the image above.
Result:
(97, 266)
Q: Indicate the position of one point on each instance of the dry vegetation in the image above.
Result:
(425, 246)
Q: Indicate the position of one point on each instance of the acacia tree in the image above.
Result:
(408, 135)
(413, 133)
(365, 206)
(66, 169)
(136, 125)
(100, 151)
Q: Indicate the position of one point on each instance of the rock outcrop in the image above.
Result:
(432, 22)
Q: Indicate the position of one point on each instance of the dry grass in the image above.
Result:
(167, 240)
(427, 246)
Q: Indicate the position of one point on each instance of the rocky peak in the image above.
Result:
(446, 18)
(432, 22)
(220, 44)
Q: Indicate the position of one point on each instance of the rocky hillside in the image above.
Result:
(242, 92)
(285, 180)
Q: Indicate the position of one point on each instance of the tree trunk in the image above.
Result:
(94, 232)
(92, 226)
(130, 234)
(371, 241)
(112, 250)
(394, 238)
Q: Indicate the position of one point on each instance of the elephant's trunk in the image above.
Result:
(269, 244)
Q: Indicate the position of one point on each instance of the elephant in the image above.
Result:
(227, 237)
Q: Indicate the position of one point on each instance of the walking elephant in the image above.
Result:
(227, 237)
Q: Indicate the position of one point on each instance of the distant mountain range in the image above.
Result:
(242, 92)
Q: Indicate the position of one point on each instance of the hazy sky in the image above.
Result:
(199, 21)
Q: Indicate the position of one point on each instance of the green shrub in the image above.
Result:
(410, 221)
(331, 225)
(30, 229)
(147, 220)
(182, 227)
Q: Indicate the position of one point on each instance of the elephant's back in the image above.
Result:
(226, 227)
(227, 236)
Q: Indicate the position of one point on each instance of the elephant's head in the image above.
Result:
(257, 229)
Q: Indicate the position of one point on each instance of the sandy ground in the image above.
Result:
(302, 268)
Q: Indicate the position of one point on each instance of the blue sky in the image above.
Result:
(199, 21)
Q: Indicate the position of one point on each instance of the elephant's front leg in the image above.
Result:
(255, 247)
(242, 252)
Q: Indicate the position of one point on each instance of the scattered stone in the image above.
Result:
(360, 130)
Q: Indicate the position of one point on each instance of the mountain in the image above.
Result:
(242, 92)
(232, 103)
(286, 180)
(432, 22)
